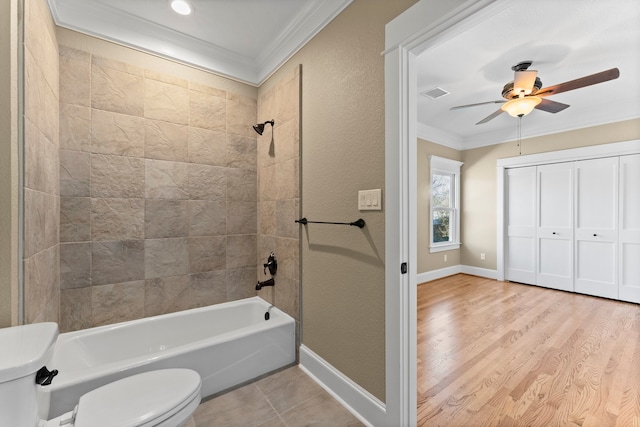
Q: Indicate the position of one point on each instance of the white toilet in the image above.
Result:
(162, 398)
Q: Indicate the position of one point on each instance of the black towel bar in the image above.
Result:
(357, 223)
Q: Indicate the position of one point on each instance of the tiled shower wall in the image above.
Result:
(41, 190)
(279, 191)
(158, 197)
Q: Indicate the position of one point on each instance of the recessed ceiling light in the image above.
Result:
(183, 7)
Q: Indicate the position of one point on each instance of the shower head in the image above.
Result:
(259, 128)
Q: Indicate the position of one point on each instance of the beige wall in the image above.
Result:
(279, 192)
(342, 149)
(41, 189)
(431, 261)
(479, 182)
(158, 186)
(8, 163)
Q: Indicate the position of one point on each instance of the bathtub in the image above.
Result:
(227, 344)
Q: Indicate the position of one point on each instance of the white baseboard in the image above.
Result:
(362, 404)
(455, 269)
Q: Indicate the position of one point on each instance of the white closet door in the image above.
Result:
(629, 246)
(555, 226)
(520, 184)
(596, 220)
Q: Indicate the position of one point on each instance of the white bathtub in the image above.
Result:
(227, 344)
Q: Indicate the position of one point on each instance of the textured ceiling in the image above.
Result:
(566, 39)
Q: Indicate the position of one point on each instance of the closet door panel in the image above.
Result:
(521, 225)
(629, 265)
(596, 220)
(555, 226)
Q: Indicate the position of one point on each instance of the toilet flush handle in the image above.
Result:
(45, 376)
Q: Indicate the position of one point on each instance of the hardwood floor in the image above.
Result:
(502, 354)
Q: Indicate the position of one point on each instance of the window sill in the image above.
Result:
(446, 247)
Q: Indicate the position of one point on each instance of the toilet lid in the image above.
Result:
(140, 400)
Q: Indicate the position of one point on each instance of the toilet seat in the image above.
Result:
(157, 398)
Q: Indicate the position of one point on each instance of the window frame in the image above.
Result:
(443, 166)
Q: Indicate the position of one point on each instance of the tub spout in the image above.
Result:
(269, 282)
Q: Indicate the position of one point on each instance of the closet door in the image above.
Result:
(629, 223)
(520, 188)
(555, 226)
(596, 220)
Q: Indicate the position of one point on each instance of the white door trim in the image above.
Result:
(406, 36)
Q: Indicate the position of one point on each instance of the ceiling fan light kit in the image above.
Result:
(519, 107)
(525, 92)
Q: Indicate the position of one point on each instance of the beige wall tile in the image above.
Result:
(166, 180)
(168, 102)
(207, 111)
(241, 250)
(208, 288)
(166, 295)
(41, 221)
(241, 184)
(267, 184)
(123, 67)
(75, 173)
(41, 155)
(117, 219)
(41, 103)
(117, 262)
(241, 115)
(166, 141)
(166, 218)
(241, 283)
(267, 218)
(287, 179)
(119, 302)
(75, 219)
(75, 265)
(75, 309)
(166, 257)
(207, 147)
(117, 91)
(286, 212)
(241, 152)
(207, 253)
(117, 176)
(42, 286)
(75, 81)
(207, 182)
(75, 127)
(166, 78)
(207, 218)
(242, 217)
(78, 55)
(118, 134)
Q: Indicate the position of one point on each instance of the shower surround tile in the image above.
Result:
(117, 219)
(75, 265)
(207, 218)
(166, 141)
(117, 176)
(208, 288)
(118, 134)
(207, 182)
(167, 102)
(207, 147)
(207, 253)
(75, 78)
(241, 115)
(166, 218)
(166, 295)
(75, 219)
(75, 173)
(117, 302)
(166, 180)
(208, 110)
(117, 262)
(241, 185)
(117, 91)
(166, 257)
(75, 127)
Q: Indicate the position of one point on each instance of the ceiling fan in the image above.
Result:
(525, 92)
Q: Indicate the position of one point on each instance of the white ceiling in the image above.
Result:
(566, 39)
(246, 40)
(249, 39)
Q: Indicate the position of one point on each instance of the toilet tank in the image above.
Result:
(23, 351)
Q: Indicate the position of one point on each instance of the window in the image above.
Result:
(445, 204)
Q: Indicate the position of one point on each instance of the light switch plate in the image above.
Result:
(370, 200)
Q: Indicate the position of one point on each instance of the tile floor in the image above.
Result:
(288, 398)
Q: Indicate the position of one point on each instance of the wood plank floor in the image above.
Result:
(502, 354)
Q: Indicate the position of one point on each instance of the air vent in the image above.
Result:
(435, 93)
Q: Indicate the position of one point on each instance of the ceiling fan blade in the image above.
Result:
(551, 106)
(524, 80)
(592, 79)
(500, 101)
(491, 116)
